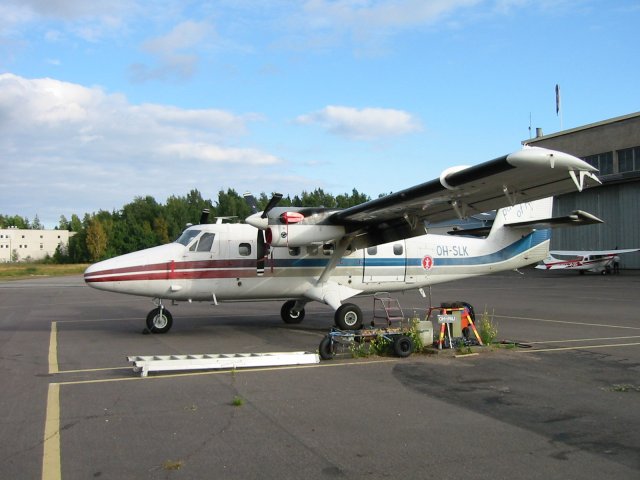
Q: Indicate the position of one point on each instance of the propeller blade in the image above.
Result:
(251, 201)
(272, 203)
(204, 216)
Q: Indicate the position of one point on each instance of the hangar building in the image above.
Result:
(612, 146)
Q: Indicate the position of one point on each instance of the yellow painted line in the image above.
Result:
(583, 340)
(223, 372)
(53, 348)
(567, 322)
(191, 317)
(582, 347)
(51, 469)
(88, 370)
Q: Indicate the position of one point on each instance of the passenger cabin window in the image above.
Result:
(372, 250)
(327, 249)
(397, 249)
(294, 251)
(244, 249)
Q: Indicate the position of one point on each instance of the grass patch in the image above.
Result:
(17, 271)
(237, 401)
(172, 465)
(625, 387)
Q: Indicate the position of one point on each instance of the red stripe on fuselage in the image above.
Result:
(175, 270)
(185, 275)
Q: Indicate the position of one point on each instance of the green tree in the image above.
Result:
(96, 239)
(230, 204)
(14, 221)
(36, 225)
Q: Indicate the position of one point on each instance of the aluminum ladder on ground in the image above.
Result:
(165, 363)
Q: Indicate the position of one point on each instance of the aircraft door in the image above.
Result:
(385, 263)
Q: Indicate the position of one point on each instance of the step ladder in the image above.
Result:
(166, 363)
(388, 308)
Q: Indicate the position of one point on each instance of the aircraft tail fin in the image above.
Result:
(528, 215)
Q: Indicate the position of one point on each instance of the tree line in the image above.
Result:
(145, 223)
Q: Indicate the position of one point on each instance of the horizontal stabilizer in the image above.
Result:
(575, 219)
(471, 232)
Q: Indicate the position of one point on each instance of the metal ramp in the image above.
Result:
(166, 363)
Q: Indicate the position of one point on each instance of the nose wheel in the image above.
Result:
(159, 320)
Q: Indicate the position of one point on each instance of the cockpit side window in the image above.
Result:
(206, 242)
(187, 236)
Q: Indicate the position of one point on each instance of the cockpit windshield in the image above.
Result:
(187, 236)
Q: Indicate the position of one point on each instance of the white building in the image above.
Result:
(21, 245)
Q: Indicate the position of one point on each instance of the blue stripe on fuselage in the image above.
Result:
(516, 248)
(510, 251)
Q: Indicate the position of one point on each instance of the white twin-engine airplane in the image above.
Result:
(388, 244)
(598, 261)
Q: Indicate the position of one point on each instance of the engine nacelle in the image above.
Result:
(301, 235)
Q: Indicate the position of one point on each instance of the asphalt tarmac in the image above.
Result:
(71, 406)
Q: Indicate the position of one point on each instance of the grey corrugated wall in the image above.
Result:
(618, 205)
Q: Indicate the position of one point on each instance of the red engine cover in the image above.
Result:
(292, 217)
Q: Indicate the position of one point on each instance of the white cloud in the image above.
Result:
(69, 149)
(88, 20)
(380, 14)
(362, 124)
(176, 53)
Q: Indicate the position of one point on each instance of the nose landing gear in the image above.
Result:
(159, 320)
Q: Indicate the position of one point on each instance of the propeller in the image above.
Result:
(204, 216)
(259, 219)
(272, 203)
(251, 202)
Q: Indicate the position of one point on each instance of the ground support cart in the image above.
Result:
(401, 343)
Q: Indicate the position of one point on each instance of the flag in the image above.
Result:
(557, 99)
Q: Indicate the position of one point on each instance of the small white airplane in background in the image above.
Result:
(598, 261)
(389, 244)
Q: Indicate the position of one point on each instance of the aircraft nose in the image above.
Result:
(99, 272)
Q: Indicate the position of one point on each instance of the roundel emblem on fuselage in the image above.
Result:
(283, 235)
(427, 262)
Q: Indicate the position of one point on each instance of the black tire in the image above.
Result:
(286, 313)
(157, 323)
(348, 317)
(327, 348)
(402, 346)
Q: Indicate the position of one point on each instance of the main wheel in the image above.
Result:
(402, 346)
(289, 315)
(348, 317)
(327, 348)
(159, 322)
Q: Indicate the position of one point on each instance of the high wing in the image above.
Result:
(584, 253)
(526, 175)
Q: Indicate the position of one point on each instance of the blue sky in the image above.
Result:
(101, 102)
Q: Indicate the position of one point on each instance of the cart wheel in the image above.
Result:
(327, 348)
(403, 346)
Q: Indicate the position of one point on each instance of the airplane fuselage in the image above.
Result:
(235, 266)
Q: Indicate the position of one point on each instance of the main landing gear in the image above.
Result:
(347, 317)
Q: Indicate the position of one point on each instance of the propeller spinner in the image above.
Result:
(259, 219)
